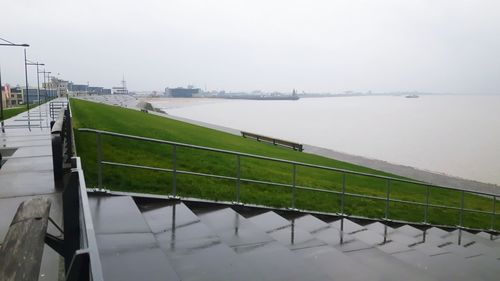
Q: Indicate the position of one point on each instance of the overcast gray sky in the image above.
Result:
(310, 45)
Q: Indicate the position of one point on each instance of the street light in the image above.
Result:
(7, 43)
(45, 74)
(38, 87)
(26, 63)
(37, 76)
(14, 45)
(10, 44)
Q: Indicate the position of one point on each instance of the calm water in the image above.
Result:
(455, 135)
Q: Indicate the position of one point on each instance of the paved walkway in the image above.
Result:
(27, 173)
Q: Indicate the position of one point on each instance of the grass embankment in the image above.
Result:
(115, 119)
(9, 112)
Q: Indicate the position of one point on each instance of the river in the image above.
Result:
(457, 135)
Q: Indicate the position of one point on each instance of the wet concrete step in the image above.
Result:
(486, 250)
(464, 239)
(196, 251)
(494, 238)
(436, 260)
(297, 235)
(445, 244)
(259, 250)
(127, 247)
(342, 245)
(484, 267)
(429, 258)
(369, 253)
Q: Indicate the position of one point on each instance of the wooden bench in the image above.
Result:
(284, 143)
(22, 248)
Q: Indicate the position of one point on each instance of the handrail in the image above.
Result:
(89, 237)
(388, 180)
(279, 160)
(79, 247)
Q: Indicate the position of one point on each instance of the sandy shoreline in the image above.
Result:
(401, 170)
(169, 103)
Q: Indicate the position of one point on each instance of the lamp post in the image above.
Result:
(1, 100)
(38, 88)
(7, 43)
(27, 90)
(45, 74)
(37, 76)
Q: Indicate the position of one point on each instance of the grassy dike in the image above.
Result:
(110, 118)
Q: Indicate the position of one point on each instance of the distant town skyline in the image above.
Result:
(448, 46)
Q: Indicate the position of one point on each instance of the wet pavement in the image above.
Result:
(27, 173)
(155, 239)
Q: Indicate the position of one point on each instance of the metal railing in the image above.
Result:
(294, 187)
(82, 261)
(79, 246)
(55, 108)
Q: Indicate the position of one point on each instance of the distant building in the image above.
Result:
(84, 89)
(61, 86)
(30, 96)
(77, 88)
(182, 92)
(122, 90)
(5, 95)
(119, 90)
(16, 96)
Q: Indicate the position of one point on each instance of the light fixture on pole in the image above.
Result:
(7, 43)
(37, 76)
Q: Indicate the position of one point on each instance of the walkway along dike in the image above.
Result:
(40, 166)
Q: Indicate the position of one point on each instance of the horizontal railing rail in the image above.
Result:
(294, 186)
(88, 236)
(55, 107)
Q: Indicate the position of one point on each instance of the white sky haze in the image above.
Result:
(271, 45)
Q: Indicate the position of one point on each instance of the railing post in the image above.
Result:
(294, 177)
(426, 215)
(71, 218)
(462, 208)
(493, 214)
(388, 194)
(69, 135)
(342, 198)
(99, 161)
(238, 175)
(174, 170)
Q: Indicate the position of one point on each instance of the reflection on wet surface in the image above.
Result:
(207, 242)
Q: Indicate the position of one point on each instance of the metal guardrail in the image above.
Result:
(82, 261)
(55, 108)
(79, 247)
(293, 185)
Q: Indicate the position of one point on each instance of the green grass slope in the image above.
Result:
(9, 112)
(126, 121)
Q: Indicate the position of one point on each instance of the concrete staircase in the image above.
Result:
(153, 239)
